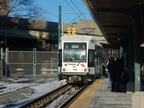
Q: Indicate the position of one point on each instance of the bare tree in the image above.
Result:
(17, 9)
(24, 9)
(21, 9)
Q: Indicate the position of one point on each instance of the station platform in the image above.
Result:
(98, 95)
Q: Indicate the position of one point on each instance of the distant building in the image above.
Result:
(4, 6)
(25, 33)
(43, 35)
(86, 27)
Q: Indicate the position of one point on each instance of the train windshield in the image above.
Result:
(75, 52)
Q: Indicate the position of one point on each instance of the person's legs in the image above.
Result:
(113, 85)
(117, 85)
(110, 82)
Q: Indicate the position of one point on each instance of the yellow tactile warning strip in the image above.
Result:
(85, 98)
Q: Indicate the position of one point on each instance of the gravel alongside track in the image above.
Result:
(15, 96)
(16, 92)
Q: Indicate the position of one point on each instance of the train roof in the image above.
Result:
(80, 38)
(77, 38)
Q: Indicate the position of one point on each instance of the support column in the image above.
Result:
(137, 49)
(130, 62)
(131, 57)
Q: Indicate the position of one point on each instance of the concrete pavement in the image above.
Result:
(105, 98)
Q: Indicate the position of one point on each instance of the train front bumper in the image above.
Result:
(75, 73)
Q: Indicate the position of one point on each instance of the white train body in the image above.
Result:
(78, 58)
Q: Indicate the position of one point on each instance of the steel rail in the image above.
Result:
(44, 100)
(69, 101)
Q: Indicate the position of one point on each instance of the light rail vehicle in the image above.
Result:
(80, 59)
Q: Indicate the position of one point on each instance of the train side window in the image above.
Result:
(60, 57)
(91, 58)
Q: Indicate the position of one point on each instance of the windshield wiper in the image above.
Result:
(82, 58)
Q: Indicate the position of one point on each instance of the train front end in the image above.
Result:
(75, 58)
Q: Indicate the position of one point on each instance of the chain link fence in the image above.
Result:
(31, 62)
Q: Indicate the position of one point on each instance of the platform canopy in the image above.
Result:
(117, 19)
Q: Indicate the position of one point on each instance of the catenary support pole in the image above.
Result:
(59, 36)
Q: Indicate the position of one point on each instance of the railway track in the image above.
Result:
(45, 100)
(69, 101)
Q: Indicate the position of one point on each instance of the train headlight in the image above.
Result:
(85, 69)
(64, 69)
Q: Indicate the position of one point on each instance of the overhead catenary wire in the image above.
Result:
(80, 12)
(76, 12)
(79, 16)
(46, 11)
(72, 8)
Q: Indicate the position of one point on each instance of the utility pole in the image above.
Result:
(59, 24)
(59, 36)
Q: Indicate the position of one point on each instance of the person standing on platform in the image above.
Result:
(110, 68)
(124, 77)
(116, 74)
(108, 74)
(142, 70)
